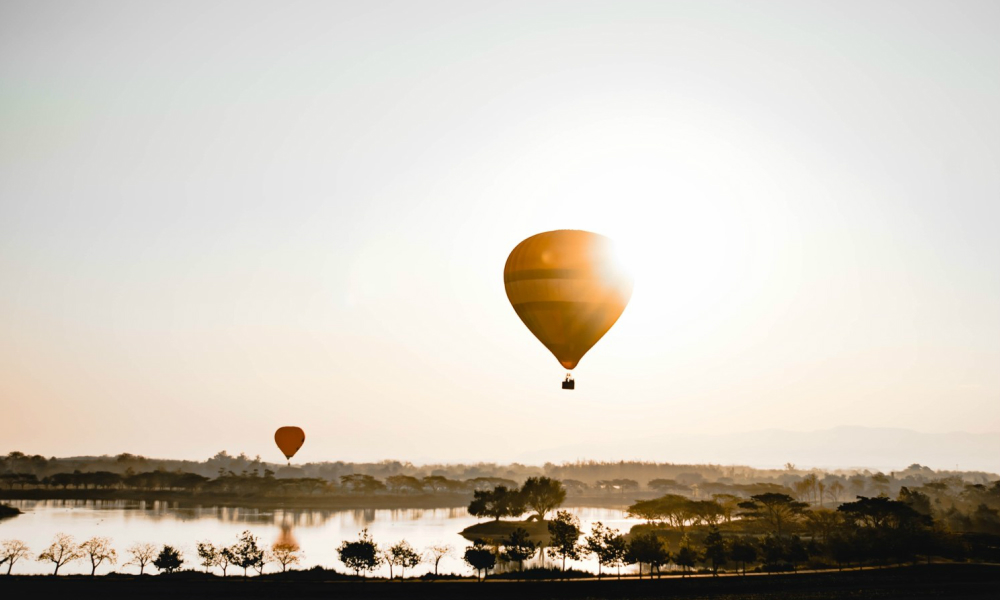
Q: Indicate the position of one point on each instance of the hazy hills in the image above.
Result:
(885, 449)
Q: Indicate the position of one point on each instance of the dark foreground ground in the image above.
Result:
(958, 581)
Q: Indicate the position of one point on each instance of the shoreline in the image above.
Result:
(337, 502)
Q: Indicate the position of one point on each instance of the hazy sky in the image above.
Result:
(217, 218)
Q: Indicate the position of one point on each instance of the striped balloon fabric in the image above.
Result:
(568, 288)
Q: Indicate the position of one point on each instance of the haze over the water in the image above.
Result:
(221, 218)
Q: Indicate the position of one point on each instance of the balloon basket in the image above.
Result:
(569, 383)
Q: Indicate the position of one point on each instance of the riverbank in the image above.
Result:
(956, 581)
(318, 502)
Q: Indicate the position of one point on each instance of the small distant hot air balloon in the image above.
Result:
(569, 289)
(289, 440)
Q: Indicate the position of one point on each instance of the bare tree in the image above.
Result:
(834, 490)
(141, 555)
(208, 554)
(11, 551)
(98, 550)
(285, 554)
(265, 557)
(812, 481)
(401, 555)
(224, 558)
(434, 554)
(62, 550)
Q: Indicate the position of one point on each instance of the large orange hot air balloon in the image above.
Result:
(289, 440)
(569, 289)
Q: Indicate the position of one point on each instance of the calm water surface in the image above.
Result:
(318, 532)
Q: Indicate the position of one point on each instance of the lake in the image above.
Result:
(318, 532)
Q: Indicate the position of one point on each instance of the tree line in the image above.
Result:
(580, 478)
(821, 491)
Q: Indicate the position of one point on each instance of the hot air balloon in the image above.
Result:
(289, 440)
(569, 289)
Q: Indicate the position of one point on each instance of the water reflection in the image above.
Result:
(318, 532)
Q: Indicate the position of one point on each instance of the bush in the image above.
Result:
(440, 576)
(542, 573)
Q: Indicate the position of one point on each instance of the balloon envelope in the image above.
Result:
(289, 440)
(568, 288)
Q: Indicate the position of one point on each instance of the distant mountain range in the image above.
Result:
(875, 448)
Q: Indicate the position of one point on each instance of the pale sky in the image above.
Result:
(217, 218)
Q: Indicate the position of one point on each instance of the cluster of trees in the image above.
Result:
(778, 532)
(538, 494)
(96, 550)
(364, 555)
(609, 547)
(246, 553)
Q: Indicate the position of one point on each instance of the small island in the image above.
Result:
(7, 511)
(538, 496)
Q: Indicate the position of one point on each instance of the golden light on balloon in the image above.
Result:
(289, 439)
(569, 287)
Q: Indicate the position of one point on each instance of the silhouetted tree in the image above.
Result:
(795, 552)
(728, 503)
(497, 503)
(285, 554)
(247, 553)
(671, 508)
(265, 557)
(480, 556)
(715, 550)
(880, 481)
(542, 494)
(98, 550)
(517, 548)
(834, 489)
(169, 560)
(647, 548)
(208, 554)
(12, 551)
(61, 551)
(361, 555)
(434, 554)
(404, 484)
(564, 531)
(608, 546)
(742, 551)
(226, 557)
(916, 500)
(361, 484)
(772, 552)
(401, 555)
(822, 522)
(141, 554)
(775, 511)
(662, 485)
(686, 558)
(707, 511)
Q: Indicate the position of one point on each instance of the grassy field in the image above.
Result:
(956, 581)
